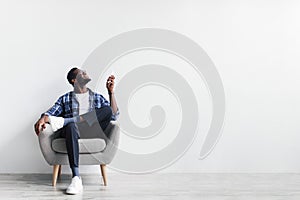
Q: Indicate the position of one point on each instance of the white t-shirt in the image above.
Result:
(84, 102)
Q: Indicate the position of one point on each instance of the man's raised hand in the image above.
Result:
(110, 83)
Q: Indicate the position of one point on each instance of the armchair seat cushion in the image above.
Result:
(89, 146)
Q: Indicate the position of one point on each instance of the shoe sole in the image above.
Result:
(73, 193)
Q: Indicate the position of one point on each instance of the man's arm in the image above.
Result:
(55, 110)
(110, 83)
(113, 103)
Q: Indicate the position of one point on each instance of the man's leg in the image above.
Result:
(99, 115)
(104, 116)
(71, 133)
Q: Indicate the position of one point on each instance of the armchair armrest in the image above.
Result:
(45, 141)
(112, 141)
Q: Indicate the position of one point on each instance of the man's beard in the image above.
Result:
(83, 81)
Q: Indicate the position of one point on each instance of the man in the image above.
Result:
(81, 112)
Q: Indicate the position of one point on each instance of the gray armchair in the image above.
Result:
(95, 151)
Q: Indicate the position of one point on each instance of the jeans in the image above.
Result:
(93, 127)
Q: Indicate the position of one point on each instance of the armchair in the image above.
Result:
(95, 151)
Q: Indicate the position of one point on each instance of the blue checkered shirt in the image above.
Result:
(67, 105)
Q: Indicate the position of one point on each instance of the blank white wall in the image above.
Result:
(254, 44)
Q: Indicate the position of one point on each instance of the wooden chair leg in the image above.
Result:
(55, 174)
(103, 173)
(59, 171)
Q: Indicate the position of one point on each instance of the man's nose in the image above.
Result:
(83, 72)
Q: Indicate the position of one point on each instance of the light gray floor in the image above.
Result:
(156, 186)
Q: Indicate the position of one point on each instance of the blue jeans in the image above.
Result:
(93, 126)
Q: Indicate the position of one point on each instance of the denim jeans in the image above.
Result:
(93, 127)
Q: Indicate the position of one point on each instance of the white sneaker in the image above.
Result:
(76, 186)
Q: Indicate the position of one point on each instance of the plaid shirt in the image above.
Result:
(67, 105)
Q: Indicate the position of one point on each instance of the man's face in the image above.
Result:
(82, 78)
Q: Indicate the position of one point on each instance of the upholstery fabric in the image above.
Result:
(104, 156)
(85, 145)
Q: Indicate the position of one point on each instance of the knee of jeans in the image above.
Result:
(108, 110)
(70, 125)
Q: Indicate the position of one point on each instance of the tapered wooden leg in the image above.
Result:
(55, 173)
(103, 173)
(59, 171)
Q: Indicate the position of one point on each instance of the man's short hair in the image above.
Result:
(72, 75)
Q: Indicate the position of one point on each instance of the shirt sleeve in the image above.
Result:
(56, 109)
(115, 116)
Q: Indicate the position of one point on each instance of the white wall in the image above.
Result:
(254, 44)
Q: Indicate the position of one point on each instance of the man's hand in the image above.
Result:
(110, 83)
(41, 124)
